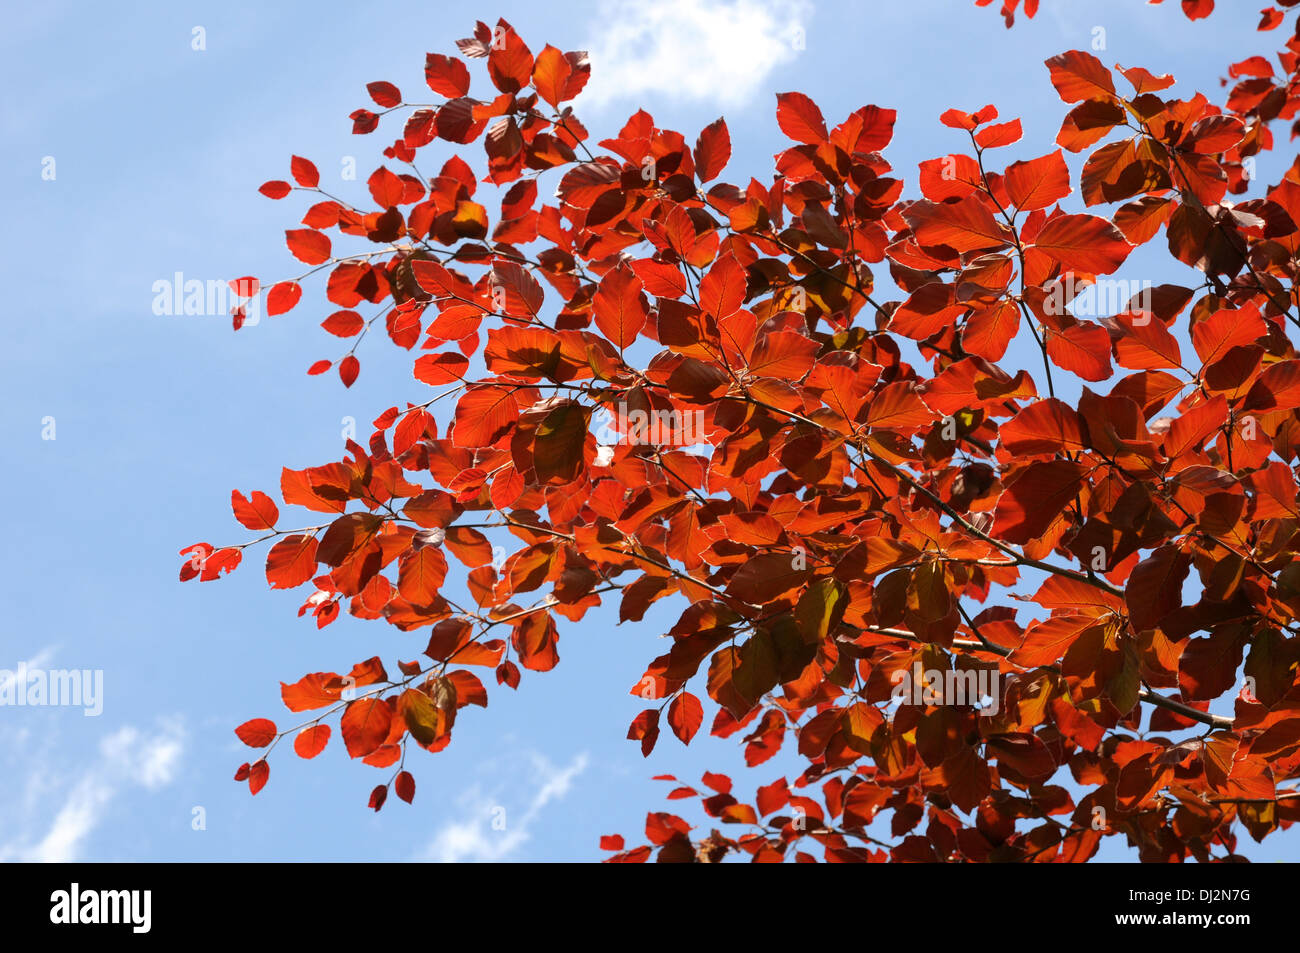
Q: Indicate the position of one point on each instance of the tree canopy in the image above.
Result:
(1000, 612)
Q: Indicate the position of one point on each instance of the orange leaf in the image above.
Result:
(965, 225)
(620, 306)
(317, 690)
(308, 245)
(311, 741)
(551, 73)
(257, 733)
(1082, 349)
(897, 407)
(291, 562)
(258, 513)
(282, 297)
(404, 785)
(722, 290)
(421, 575)
(365, 725)
(257, 776)
(712, 150)
(1045, 426)
(483, 416)
(1084, 243)
(800, 119)
(685, 715)
(1039, 182)
(1078, 75)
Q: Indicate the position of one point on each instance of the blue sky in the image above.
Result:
(158, 149)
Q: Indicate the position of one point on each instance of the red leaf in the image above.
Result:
(722, 290)
(965, 225)
(308, 245)
(444, 368)
(508, 674)
(257, 733)
(800, 119)
(510, 62)
(386, 188)
(1084, 243)
(365, 725)
(1146, 344)
(257, 776)
(1278, 388)
(385, 94)
(291, 562)
(483, 416)
(1039, 182)
(344, 324)
(1034, 498)
(783, 354)
(446, 75)
(712, 150)
(258, 513)
(311, 741)
(989, 331)
(620, 306)
(282, 297)
(897, 407)
(1045, 426)
(349, 368)
(766, 578)
(404, 785)
(645, 729)
(535, 639)
(421, 575)
(1155, 587)
(1225, 329)
(551, 72)
(719, 782)
(1082, 349)
(304, 172)
(685, 716)
(318, 690)
(1002, 134)
(244, 287)
(1078, 75)
(275, 189)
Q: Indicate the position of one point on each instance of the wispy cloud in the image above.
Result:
(127, 758)
(714, 50)
(494, 825)
(39, 660)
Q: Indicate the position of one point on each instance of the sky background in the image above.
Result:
(158, 151)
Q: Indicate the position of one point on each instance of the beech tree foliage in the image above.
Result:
(870, 489)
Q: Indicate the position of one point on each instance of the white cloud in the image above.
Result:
(492, 828)
(714, 50)
(37, 661)
(127, 758)
(150, 760)
(74, 822)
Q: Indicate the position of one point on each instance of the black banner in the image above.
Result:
(341, 901)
